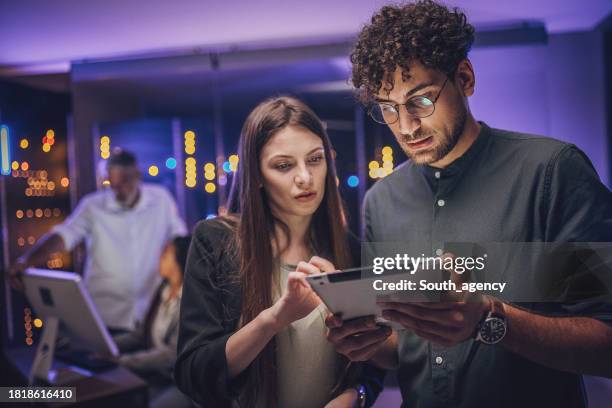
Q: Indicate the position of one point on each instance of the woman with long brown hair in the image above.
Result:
(252, 331)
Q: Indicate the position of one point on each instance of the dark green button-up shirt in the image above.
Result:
(508, 187)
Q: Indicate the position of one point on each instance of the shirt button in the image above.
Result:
(437, 174)
(439, 360)
(441, 203)
(439, 252)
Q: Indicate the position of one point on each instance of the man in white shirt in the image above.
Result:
(125, 230)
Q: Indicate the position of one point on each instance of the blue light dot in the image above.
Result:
(227, 167)
(171, 163)
(353, 181)
(209, 216)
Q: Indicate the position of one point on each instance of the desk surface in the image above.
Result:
(103, 384)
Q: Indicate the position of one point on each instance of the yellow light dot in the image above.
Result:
(25, 166)
(106, 183)
(210, 188)
(209, 176)
(105, 155)
(381, 172)
(50, 133)
(388, 165)
(373, 165)
(24, 143)
(190, 183)
(105, 140)
(387, 157)
(153, 171)
(15, 165)
(233, 167)
(46, 148)
(372, 173)
(208, 167)
(38, 323)
(190, 150)
(233, 159)
(387, 150)
(190, 134)
(65, 181)
(190, 161)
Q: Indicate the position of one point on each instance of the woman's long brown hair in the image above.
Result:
(256, 226)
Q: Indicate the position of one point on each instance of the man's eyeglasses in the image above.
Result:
(387, 113)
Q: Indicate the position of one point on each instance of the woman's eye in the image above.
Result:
(283, 166)
(316, 159)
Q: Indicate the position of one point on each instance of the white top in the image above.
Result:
(167, 311)
(308, 365)
(123, 249)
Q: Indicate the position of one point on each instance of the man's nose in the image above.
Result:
(408, 124)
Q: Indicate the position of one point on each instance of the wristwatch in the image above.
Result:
(361, 395)
(494, 326)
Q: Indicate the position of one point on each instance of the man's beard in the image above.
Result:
(447, 144)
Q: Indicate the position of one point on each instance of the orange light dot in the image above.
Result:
(23, 143)
(210, 188)
(65, 181)
(106, 183)
(20, 241)
(28, 192)
(47, 212)
(38, 213)
(31, 240)
(29, 213)
(29, 341)
(19, 214)
(51, 186)
(25, 166)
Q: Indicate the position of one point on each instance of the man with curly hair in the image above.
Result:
(467, 182)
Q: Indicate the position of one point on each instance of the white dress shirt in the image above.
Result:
(123, 249)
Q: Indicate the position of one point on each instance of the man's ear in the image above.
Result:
(465, 77)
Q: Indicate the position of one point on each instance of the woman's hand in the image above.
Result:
(299, 300)
(348, 399)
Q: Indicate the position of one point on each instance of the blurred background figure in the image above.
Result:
(150, 349)
(125, 230)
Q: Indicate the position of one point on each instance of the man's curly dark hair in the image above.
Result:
(424, 31)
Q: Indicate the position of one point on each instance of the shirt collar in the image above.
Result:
(113, 205)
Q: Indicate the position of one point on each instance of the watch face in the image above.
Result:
(493, 330)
